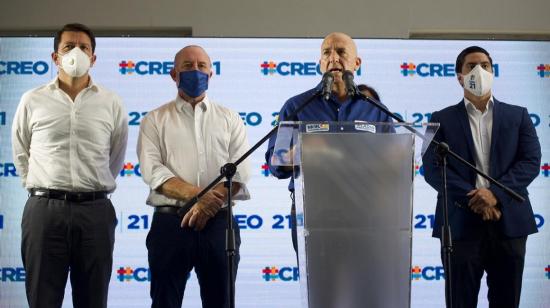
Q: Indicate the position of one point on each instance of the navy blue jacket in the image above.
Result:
(515, 156)
(320, 110)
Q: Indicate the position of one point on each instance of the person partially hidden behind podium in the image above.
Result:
(181, 147)
(368, 91)
(338, 54)
(489, 229)
(69, 140)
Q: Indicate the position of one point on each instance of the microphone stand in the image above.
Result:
(443, 150)
(229, 170)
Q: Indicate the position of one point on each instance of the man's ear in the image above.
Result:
(173, 74)
(92, 61)
(321, 67)
(357, 63)
(55, 57)
(460, 79)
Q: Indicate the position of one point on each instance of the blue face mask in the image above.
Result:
(193, 83)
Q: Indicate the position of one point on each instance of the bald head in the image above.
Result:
(339, 53)
(191, 53)
(342, 38)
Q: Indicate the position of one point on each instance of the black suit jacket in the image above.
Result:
(514, 161)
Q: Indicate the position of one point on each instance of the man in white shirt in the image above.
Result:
(181, 147)
(69, 140)
(489, 228)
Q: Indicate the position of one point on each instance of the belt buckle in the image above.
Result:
(79, 196)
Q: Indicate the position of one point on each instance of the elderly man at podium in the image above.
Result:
(338, 54)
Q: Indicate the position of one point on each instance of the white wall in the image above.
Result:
(286, 18)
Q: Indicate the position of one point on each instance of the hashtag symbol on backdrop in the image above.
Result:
(268, 67)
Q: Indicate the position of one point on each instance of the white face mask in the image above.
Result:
(478, 81)
(75, 63)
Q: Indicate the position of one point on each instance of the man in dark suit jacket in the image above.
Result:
(489, 229)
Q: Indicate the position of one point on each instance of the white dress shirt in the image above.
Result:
(481, 124)
(176, 140)
(74, 146)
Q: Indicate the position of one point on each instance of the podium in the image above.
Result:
(354, 204)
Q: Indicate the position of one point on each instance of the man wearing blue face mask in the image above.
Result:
(181, 147)
(69, 140)
(489, 229)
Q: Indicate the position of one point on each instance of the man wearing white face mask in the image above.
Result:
(489, 229)
(69, 140)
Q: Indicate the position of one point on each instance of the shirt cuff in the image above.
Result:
(242, 194)
(159, 177)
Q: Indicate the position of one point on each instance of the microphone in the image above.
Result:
(351, 89)
(327, 81)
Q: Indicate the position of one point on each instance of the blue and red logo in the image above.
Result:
(547, 270)
(273, 273)
(427, 273)
(409, 69)
(129, 67)
(127, 274)
(145, 67)
(292, 68)
(545, 170)
(543, 70)
(265, 170)
(418, 169)
(130, 169)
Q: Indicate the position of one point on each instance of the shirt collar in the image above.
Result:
(470, 106)
(332, 99)
(54, 84)
(184, 106)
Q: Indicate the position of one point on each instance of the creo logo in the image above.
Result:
(23, 67)
(15, 274)
(265, 170)
(129, 67)
(130, 169)
(409, 69)
(7, 169)
(543, 70)
(293, 68)
(145, 67)
(427, 273)
(273, 273)
(545, 170)
(139, 274)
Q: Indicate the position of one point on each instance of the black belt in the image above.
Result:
(69, 196)
(168, 209)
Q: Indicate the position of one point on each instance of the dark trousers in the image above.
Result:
(62, 237)
(502, 258)
(175, 251)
